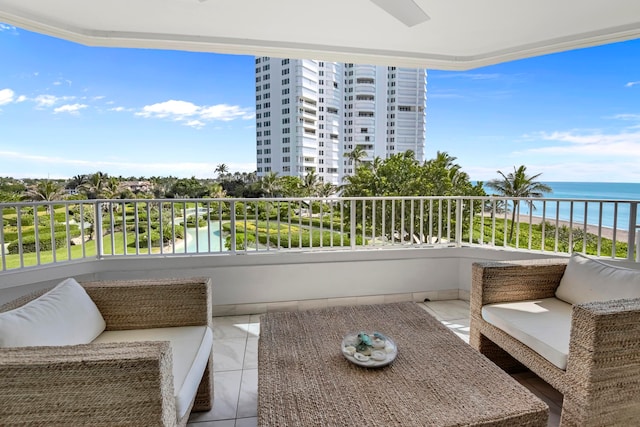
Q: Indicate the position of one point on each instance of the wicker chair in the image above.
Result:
(601, 385)
(115, 383)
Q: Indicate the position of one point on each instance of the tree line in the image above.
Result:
(399, 175)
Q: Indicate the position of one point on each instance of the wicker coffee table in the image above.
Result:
(436, 379)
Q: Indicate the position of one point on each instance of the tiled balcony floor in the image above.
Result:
(235, 364)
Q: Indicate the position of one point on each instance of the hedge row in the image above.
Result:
(29, 242)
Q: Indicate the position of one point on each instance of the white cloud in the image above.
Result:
(176, 109)
(624, 144)
(70, 108)
(195, 124)
(632, 117)
(21, 98)
(6, 96)
(117, 109)
(631, 84)
(8, 28)
(194, 115)
(43, 101)
(115, 168)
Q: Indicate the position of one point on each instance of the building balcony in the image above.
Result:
(316, 253)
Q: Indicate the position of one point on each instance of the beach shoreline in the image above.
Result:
(605, 232)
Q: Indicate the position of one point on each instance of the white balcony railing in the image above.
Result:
(67, 231)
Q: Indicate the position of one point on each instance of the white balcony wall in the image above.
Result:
(257, 280)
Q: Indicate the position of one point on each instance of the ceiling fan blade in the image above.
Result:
(405, 11)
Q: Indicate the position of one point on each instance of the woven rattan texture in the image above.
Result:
(436, 379)
(95, 384)
(601, 385)
(109, 384)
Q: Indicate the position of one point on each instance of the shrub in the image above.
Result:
(29, 242)
(143, 240)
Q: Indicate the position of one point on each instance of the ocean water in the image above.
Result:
(611, 209)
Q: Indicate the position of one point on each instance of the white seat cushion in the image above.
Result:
(65, 315)
(588, 280)
(544, 325)
(190, 345)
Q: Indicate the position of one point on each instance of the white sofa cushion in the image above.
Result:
(65, 315)
(587, 280)
(190, 345)
(544, 325)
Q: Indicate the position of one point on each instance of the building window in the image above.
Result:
(285, 91)
(265, 67)
(285, 61)
(286, 140)
(286, 159)
(364, 130)
(257, 60)
(286, 149)
(285, 121)
(285, 101)
(285, 111)
(285, 71)
(267, 151)
(258, 152)
(285, 81)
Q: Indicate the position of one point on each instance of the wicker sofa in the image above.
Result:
(601, 379)
(125, 376)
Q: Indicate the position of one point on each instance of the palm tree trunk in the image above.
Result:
(513, 219)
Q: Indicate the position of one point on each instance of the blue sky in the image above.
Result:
(67, 109)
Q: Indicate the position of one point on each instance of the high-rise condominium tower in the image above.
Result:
(311, 114)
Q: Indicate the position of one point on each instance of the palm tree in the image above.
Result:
(270, 183)
(111, 188)
(518, 184)
(221, 169)
(356, 155)
(44, 190)
(95, 185)
(327, 189)
(310, 183)
(216, 191)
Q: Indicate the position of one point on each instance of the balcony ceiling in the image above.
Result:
(459, 34)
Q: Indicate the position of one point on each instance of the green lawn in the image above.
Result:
(46, 257)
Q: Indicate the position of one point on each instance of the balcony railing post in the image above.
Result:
(97, 229)
(232, 226)
(352, 224)
(631, 240)
(459, 209)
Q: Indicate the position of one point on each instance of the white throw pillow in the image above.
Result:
(588, 280)
(65, 315)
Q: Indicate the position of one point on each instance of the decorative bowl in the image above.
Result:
(371, 350)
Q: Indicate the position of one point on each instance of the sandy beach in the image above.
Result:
(605, 232)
